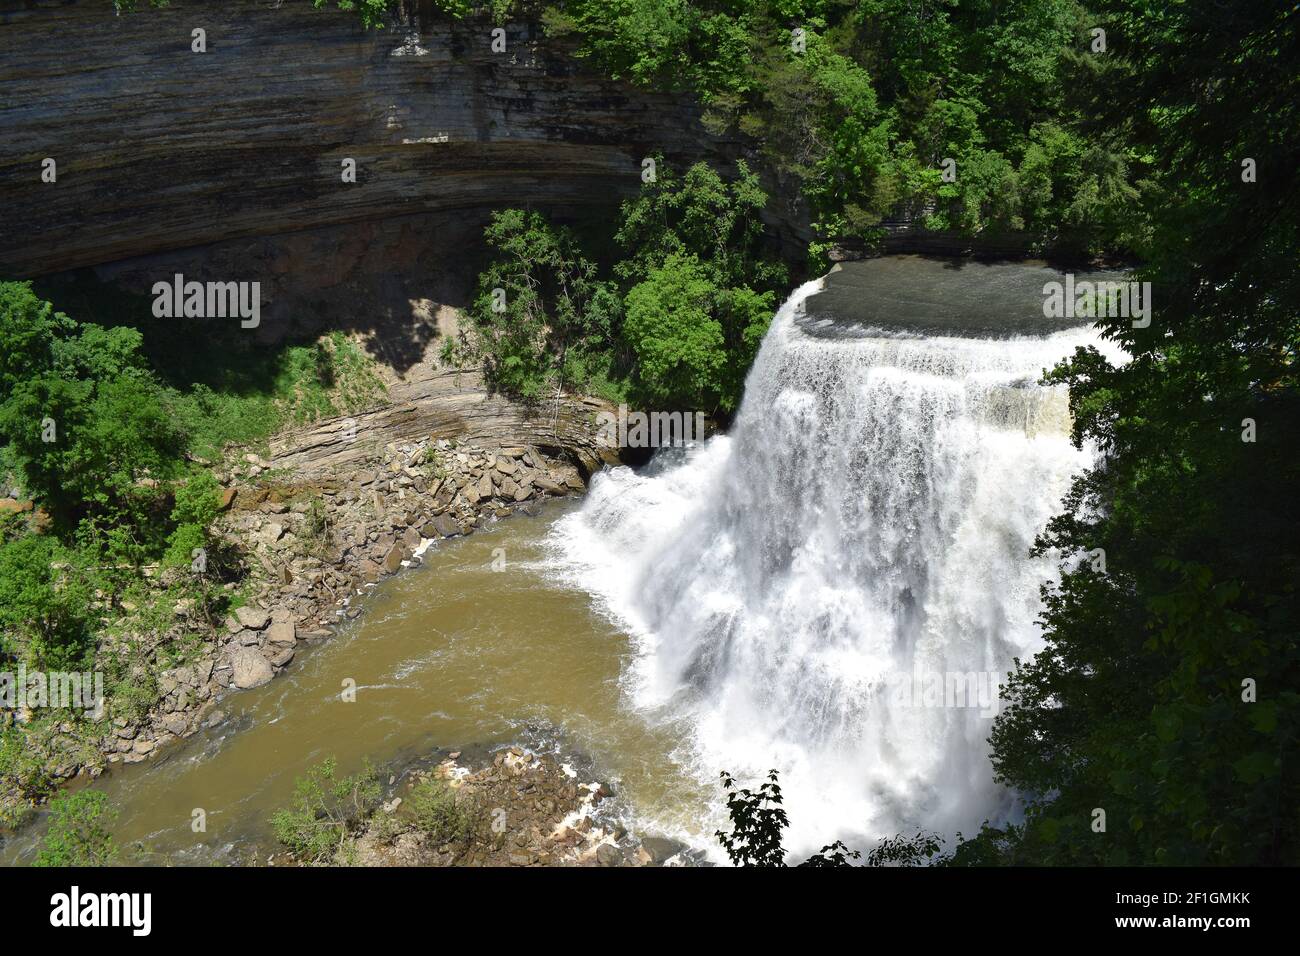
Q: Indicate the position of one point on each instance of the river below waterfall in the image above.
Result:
(833, 589)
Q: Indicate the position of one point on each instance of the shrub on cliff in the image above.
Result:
(45, 605)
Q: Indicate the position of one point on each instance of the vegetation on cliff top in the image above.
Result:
(862, 102)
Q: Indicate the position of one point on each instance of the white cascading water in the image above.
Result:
(794, 588)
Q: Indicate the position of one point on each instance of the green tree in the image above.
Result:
(692, 339)
(83, 416)
(196, 505)
(1167, 693)
(327, 812)
(45, 604)
(541, 316)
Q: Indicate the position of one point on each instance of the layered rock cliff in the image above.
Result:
(228, 164)
(448, 404)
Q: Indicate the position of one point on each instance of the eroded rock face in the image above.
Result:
(227, 165)
(449, 404)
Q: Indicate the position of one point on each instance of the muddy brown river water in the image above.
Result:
(448, 655)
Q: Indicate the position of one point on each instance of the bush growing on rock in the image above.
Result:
(436, 813)
(82, 414)
(327, 812)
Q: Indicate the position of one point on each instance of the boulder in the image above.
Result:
(659, 849)
(446, 526)
(252, 617)
(281, 657)
(393, 559)
(175, 724)
(249, 668)
(282, 632)
(607, 855)
(548, 486)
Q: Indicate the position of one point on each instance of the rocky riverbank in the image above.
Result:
(525, 809)
(315, 544)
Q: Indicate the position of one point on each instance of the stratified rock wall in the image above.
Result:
(227, 165)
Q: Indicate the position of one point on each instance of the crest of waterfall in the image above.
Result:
(835, 588)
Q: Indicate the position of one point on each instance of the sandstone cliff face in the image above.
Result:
(227, 164)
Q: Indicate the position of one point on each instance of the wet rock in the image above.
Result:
(281, 657)
(446, 526)
(659, 849)
(608, 855)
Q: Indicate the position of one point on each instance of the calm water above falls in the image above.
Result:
(759, 601)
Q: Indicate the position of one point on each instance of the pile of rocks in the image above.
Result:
(530, 810)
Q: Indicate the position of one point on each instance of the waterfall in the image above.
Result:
(812, 592)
